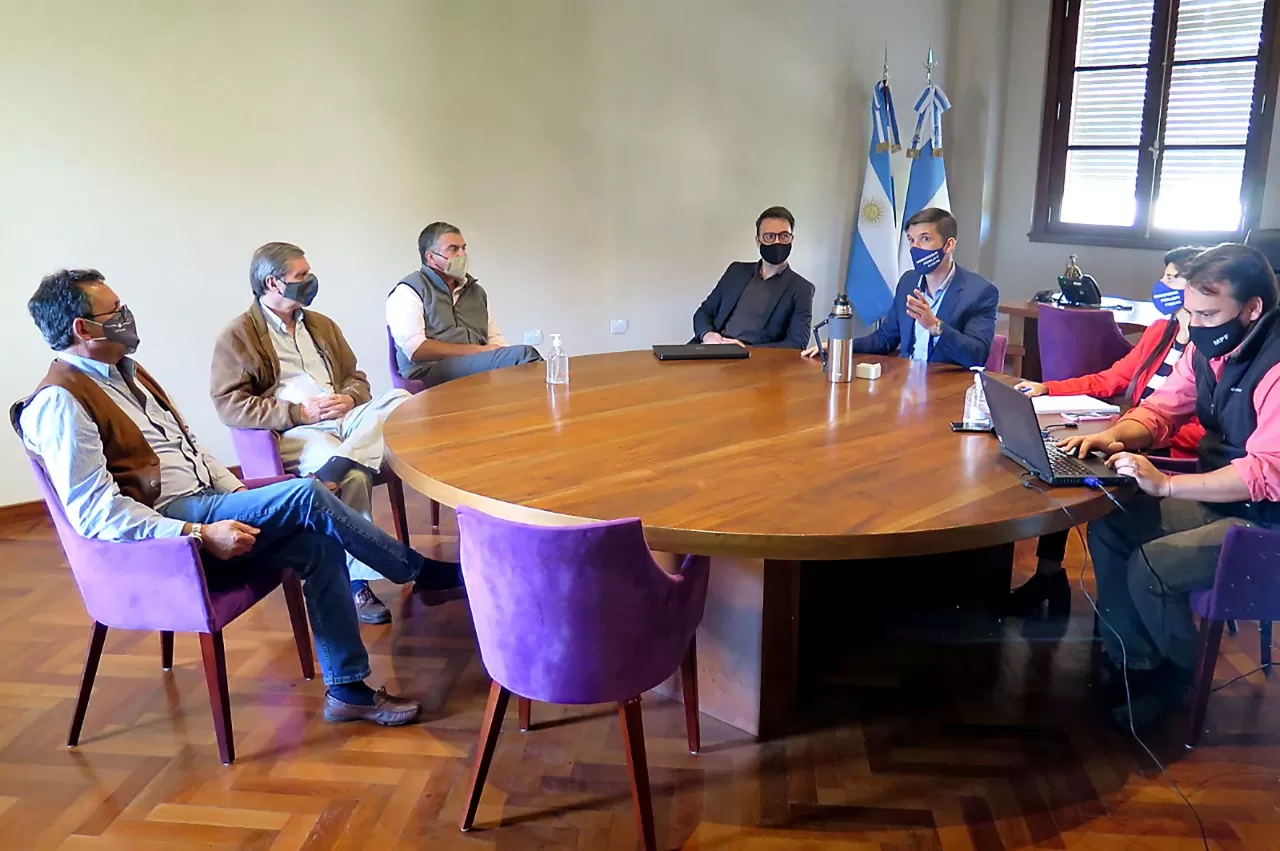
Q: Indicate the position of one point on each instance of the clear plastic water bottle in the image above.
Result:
(557, 362)
(976, 412)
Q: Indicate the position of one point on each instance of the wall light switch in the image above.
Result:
(618, 326)
(533, 338)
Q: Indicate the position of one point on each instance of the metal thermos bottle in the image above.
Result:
(837, 357)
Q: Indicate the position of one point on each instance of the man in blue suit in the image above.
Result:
(941, 312)
(760, 304)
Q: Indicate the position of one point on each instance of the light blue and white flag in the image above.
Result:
(873, 259)
(927, 185)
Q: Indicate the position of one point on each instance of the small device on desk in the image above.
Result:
(1078, 289)
(1021, 439)
(970, 428)
(701, 351)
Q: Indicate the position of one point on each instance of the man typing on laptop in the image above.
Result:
(1164, 545)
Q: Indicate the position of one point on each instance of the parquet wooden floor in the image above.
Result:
(926, 736)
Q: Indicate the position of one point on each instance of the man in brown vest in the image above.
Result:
(126, 467)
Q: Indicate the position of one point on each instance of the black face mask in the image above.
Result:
(304, 291)
(776, 254)
(123, 330)
(1215, 341)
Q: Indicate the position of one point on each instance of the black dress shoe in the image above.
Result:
(1029, 597)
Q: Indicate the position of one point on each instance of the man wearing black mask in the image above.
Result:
(1164, 545)
(764, 303)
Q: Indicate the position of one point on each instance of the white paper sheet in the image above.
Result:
(1072, 405)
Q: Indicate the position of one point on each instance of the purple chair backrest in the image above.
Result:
(1247, 584)
(995, 360)
(258, 450)
(1076, 342)
(576, 614)
(397, 380)
(157, 584)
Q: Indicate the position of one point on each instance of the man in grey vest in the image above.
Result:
(439, 316)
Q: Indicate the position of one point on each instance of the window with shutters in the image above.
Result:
(1157, 120)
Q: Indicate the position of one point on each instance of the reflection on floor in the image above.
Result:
(923, 732)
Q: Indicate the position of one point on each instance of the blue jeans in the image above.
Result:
(438, 372)
(310, 530)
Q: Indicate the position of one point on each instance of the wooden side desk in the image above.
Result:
(1023, 357)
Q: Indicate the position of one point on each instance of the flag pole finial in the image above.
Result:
(930, 64)
(885, 77)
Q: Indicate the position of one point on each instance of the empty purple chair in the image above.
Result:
(259, 453)
(397, 380)
(579, 615)
(995, 360)
(160, 584)
(1076, 342)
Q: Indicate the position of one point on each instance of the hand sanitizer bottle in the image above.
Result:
(976, 412)
(557, 363)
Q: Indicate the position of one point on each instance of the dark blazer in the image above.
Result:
(789, 316)
(967, 313)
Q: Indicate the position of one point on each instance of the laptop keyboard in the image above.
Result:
(1063, 464)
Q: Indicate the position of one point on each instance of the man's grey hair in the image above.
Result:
(430, 237)
(271, 261)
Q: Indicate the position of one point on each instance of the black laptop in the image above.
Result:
(1014, 418)
(701, 351)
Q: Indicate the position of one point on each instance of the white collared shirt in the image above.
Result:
(303, 371)
(409, 327)
(56, 428)
(922, 338)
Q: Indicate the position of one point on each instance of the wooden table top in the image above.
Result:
(759, 458)
(1141, 314)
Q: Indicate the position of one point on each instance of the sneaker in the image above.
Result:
(368, 607)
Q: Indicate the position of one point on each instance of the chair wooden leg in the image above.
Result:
(490, 727)
(1210, 641)
(97, 637)
(689, 691)
(166, 650)
(1264, 634)
(525, 707)
(638, 765)
(435, 516)
(292, 587)
(395, 493)
(215, 675)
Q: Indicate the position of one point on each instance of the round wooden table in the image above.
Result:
(759, 462)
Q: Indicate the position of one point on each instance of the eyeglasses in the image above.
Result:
(451, 250)
(783, 238)
(119, 311)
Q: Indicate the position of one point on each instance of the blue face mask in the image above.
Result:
(1167, 300)
(926, 260)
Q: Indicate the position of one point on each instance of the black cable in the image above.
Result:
(1124, 653)
(1263, 667)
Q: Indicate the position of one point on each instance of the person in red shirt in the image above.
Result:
(1136, 376)
(1148, 558)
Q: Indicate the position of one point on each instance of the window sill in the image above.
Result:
(1121, 239)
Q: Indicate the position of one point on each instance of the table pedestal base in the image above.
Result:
(749, 643)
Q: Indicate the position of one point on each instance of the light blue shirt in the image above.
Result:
(303, 371)
(57, 428)
(922, 338)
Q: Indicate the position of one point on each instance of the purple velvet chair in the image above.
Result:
(1245, 587)
(397, 380)
(259, 454)
(160, 584)
(579, 615)
(995, 360)
(1076, 342)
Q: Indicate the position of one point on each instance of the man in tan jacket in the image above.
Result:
(282, 367)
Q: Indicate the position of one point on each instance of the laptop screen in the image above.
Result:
(1014, 418)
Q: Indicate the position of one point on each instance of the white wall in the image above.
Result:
(605, 158)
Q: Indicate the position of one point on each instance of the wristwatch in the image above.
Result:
(936, 330)
(197, 535)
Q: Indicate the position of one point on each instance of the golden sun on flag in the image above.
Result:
(873, 212)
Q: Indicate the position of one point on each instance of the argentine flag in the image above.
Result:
(873, 259)
(927, 185)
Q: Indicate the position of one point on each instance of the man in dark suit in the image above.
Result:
(941, 312)
(763, 303)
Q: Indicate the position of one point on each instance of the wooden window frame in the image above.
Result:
(1056, 124)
